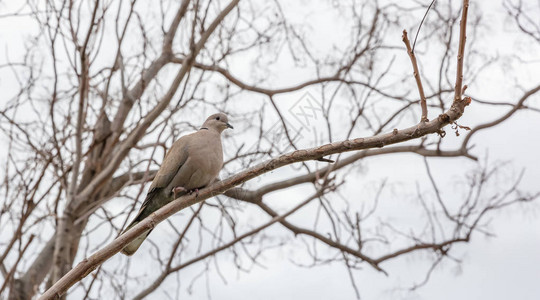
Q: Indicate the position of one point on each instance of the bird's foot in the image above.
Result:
(177, 190)
(196, 191)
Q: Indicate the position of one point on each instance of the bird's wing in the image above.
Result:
(173, 161)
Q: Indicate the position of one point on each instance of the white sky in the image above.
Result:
(504, 267)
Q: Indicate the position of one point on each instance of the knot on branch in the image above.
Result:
(444, 118)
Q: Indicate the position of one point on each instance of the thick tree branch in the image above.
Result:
(310, 177)
(397, 136)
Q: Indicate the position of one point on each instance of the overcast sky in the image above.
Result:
(503, 267)
(506, 266)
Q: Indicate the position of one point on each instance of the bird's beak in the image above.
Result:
(230, 126)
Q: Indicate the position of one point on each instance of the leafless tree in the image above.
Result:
(102, 89)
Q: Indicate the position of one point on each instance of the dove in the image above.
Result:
(192, 162)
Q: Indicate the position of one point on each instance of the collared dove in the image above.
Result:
(193, 162)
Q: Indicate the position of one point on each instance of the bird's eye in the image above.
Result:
(217, 118)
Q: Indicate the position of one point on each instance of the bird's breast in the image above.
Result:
(207, 159)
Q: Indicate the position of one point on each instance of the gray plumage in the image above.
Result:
(193, 162)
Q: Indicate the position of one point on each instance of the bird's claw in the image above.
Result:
(196, 191)
(177, 190)
(180, 189)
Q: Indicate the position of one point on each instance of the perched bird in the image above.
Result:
(193, 162)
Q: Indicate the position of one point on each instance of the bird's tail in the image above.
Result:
(147, 208)
(135, 244)
(130, 248)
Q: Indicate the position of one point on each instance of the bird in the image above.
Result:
(192, 162)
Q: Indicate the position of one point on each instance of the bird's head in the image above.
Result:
(217, 122)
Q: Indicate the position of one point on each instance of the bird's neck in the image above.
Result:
(210, 129)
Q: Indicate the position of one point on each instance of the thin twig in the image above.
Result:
(423, 103)
(461, 51)
(14, 267)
